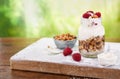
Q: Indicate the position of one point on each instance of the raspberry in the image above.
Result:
(98, 14)
(76, 57)
(67, 51)
(86, 15)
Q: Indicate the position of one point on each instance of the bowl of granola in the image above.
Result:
(65, 40)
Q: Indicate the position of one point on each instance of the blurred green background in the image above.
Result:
(46, 18)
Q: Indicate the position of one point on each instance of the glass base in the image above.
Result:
(90, 54)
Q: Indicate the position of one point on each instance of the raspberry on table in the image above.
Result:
(76, 57)
(67, 51)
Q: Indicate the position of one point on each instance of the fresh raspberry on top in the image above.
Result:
(76, 57)
(67, 51)
(98, 14)
(86, 15)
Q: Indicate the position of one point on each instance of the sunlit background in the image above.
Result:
(46, 18)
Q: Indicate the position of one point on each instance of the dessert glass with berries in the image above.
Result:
(91, 34)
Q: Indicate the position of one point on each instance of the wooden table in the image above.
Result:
(10, 46)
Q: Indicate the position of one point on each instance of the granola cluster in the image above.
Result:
(65, 37)
(94, 44)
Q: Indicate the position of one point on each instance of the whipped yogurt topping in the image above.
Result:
(107, 59)
(90, 27)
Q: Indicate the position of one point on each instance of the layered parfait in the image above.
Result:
(91, 34)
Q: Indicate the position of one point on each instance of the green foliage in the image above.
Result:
(9, 27)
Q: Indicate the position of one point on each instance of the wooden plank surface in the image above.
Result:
(66, 69)
(60, 68)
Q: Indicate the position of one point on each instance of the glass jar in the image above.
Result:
(91, 37)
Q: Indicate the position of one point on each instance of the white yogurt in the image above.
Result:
(107, 59)
(89, 29)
